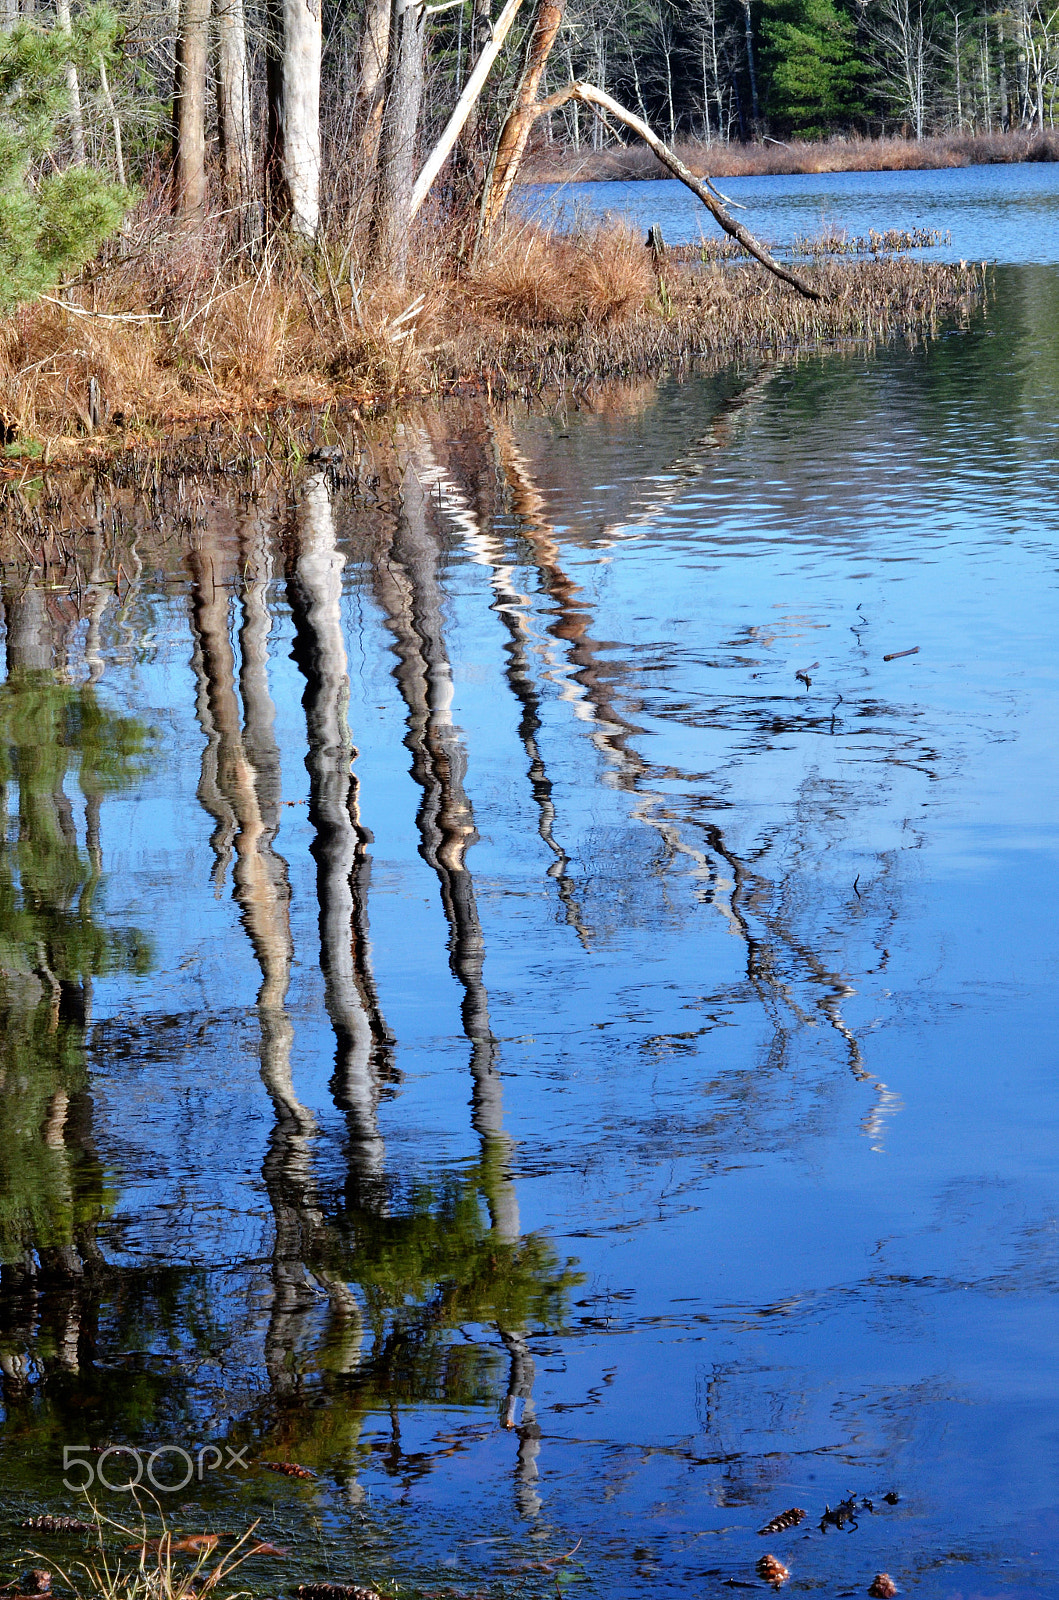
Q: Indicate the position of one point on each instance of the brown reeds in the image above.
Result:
(557, 164)
(168, 332)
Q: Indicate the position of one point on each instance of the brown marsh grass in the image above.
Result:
(560, 164)
(170, 329)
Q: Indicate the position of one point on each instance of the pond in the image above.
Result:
(997, 213)
(529, 988)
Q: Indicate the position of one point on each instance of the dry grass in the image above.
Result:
(535, 280)
(173, 330)
(555, 164)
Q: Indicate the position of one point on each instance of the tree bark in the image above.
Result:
(516, 130)
(392, 212)
(374, 50)
(465, 105)
(233, 112)
(292, 156)
(73, 90)
(189, 112)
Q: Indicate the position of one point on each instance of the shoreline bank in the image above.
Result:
(107, 370)
(777, 158)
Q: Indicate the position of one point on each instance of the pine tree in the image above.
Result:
(49, 224)
(811, 65)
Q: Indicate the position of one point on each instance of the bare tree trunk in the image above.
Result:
(466, 103)
(516, 130)
(292, 156)
(374, 50)
(119, 159)
(189, 111)
(233, 112)
(755, 109)
(392, 214)
(73, 90)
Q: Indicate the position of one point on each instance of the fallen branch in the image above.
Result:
(105, 316)
(602, 102)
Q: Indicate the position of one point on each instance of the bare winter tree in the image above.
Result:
(189, 111)
(292, 152)
(398, 141)
(903, 52)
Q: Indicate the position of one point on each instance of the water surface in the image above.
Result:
(996, 213)
(513, 1003)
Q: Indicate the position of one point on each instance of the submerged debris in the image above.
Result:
(46, 1523)
(773, 1571)
(844, 1514)
(786, 1519)
(882, 1587)
(335, 1591)
(289, 1469)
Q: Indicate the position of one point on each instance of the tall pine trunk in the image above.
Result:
(292, 156)
(392, 214)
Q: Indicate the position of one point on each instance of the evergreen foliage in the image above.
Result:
(49, 223)
(811, 66)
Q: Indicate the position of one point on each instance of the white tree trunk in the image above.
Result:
(73, 90)
(233, 109)
(293, 156)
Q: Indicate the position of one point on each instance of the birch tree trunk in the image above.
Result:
(292, 156)
(73, 90)
(233, 112)
(392, 214)
(189, 112)
(516, 130)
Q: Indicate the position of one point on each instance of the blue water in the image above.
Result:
(998, 213)
(480, 1025)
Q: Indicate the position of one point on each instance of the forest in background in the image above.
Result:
(191, 85)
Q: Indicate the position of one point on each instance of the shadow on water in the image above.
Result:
(416, 754)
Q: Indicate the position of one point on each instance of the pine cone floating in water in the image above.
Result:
(46, 1523)
(289, 1469)
(882, 1587)
(772, 1571)
(786, 1519)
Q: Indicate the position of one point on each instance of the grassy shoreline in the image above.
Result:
(161, 338)
(561, 164)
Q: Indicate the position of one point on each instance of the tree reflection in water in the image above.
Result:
(369, 1279)
(54, 735)
(406, 1264)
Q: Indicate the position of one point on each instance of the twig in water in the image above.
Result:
(897, 654)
